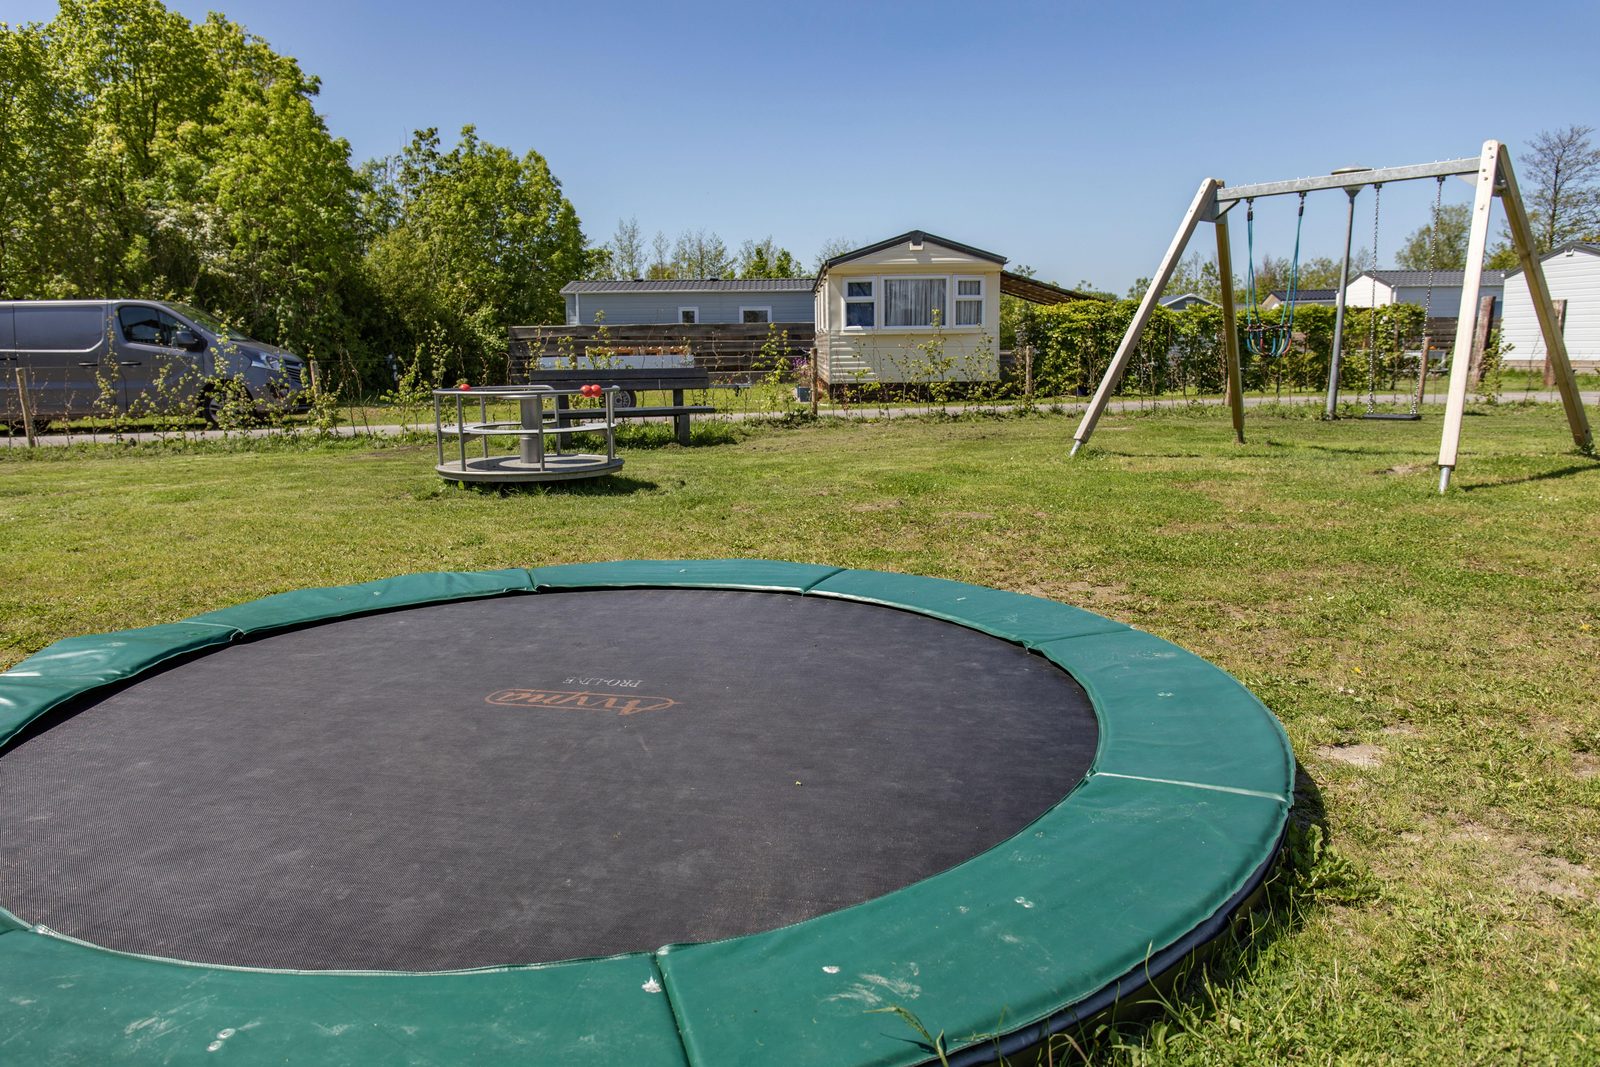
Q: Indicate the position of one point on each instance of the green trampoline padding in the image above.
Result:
(1178, 820)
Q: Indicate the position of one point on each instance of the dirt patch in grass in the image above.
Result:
(877, 505)
(1406, 468)
(1586, 765)
(1359, 755)
(1553, 876)
(1528, 868)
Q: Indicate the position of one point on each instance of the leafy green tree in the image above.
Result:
(1197, 273)
(275, 227)
(700, 254)
(1440, 246)
(41, 165)
(480, 239)
(660, 267)
(627, 250)
(1319, 272)
(764, 259)
(169, 159)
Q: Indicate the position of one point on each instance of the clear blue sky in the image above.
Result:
(1067, 136)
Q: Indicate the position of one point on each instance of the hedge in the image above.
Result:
(1182, 352)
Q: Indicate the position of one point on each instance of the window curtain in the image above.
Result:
(913, 301)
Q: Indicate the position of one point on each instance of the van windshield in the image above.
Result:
(210, 322)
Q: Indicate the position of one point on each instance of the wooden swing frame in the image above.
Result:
(1492, 175)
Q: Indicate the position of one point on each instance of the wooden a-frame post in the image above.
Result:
(1203, 207)
(1495, 178)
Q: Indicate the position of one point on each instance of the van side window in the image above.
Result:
(54, 328)
(147, 326)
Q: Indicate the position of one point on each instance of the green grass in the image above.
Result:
(1436, 660)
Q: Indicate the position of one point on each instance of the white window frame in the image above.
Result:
(693, 310)
(844, 321)
(764, 322)
(877, 281)
(956, 298)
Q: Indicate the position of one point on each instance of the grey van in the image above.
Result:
(88, 357)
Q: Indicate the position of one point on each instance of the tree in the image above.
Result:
(833, 246)
(41, 156)
(764, 259)
(1320, 272)
(699, 254)
(1560, 183)
(1197, 273)
(1563, 187)
(141, 154)
(627, 250)
(273, 231)
(482, 239)
(1440, 246)
(660, 258)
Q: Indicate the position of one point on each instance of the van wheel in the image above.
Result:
(213, 404)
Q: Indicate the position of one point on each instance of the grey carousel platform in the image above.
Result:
(539, 417)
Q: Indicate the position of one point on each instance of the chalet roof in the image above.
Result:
(691, 285)
(1036, 292)
(914, 236)
(1590, 247)
(1309, 294)
(1441, 278)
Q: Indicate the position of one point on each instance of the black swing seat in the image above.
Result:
(1392, 416)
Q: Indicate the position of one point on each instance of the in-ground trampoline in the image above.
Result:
(456, 816)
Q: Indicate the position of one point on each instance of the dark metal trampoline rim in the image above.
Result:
(793, 579)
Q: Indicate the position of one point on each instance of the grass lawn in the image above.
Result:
(1436, 660)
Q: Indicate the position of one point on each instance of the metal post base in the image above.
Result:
(1444, 478)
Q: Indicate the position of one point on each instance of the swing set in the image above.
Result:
(1492, 175)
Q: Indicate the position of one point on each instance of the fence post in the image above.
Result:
(1480, 341)
(27, 409)
(816, 353)
(1561, 328)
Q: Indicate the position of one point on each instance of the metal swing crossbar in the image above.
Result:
(1492, 176)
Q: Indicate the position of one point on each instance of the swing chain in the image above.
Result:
(1372, 309)
(1427, 308)
(1265, 339)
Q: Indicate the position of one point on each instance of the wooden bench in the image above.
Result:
(636, 380)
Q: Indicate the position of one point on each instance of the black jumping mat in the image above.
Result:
(531, 778)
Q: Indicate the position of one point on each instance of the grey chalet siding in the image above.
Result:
(649, 303)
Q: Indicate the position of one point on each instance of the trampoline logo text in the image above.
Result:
(579, 700)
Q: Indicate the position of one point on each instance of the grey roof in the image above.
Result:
(917, 236)
(1444, 278)
(1306, 294)
(692, 285)
(1590, 247)
(1193, 298)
